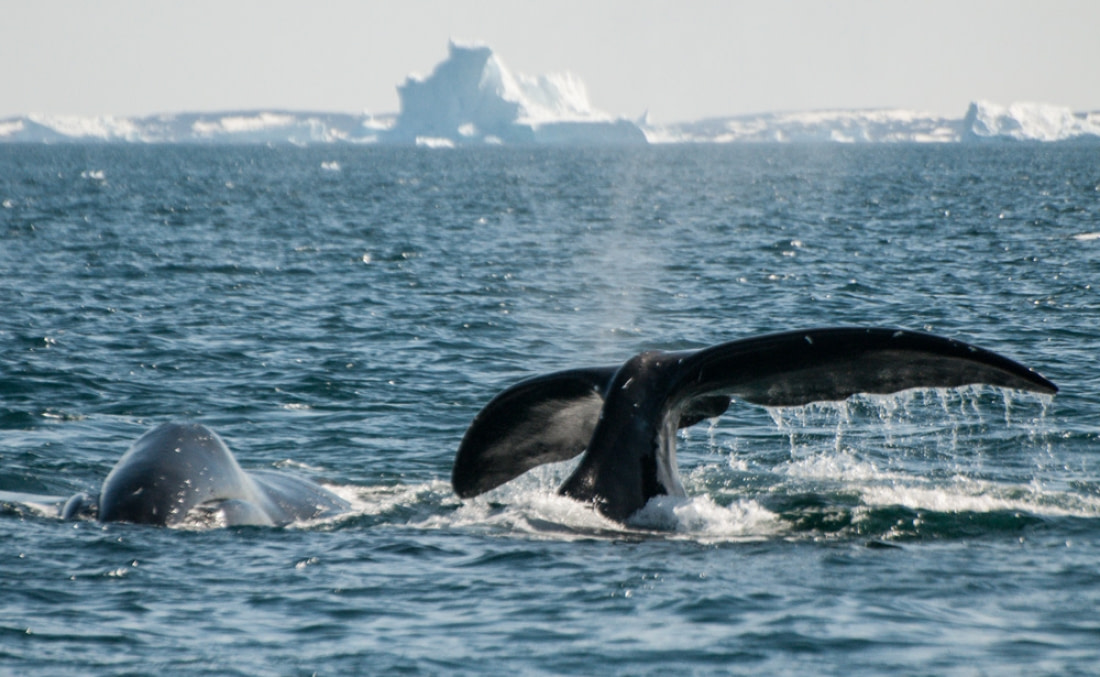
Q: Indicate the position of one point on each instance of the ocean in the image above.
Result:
(342, 313)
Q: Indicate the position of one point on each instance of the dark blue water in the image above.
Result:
(342, 313)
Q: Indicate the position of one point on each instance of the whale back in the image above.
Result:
(287, 498)
(169, 470)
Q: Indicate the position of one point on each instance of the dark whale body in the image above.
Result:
(178, 467)
(624, 418)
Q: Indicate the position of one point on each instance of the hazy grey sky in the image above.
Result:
(681, 60)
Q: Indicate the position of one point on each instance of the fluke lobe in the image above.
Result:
(624, 418)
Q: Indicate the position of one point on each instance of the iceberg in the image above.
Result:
(1028, 121)
(472, 98)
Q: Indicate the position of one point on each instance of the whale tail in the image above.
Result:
(624, 418)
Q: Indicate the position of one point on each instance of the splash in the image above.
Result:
(914, 464)
(702, 519)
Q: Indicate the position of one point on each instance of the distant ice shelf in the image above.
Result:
(471, 98)
(242, 127)
(984, 121)
(824, 126)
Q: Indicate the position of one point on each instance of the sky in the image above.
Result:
(679, 60)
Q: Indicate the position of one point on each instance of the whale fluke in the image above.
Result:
(624, 418)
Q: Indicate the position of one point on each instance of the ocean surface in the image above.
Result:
(342, 313)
